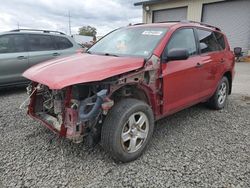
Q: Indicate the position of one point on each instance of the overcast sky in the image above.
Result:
(105, 15)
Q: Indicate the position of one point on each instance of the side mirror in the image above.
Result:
(237, 51)
(177, 54)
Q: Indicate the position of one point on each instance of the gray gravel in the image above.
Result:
(197, 147)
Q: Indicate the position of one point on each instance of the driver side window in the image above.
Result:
(183, 38)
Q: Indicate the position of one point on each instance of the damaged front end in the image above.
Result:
(78, 111)
(73, 112)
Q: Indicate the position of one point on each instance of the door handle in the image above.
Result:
(56, 54)
(198, 65)
(21, 57)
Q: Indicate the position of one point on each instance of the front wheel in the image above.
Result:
(218, 100)
(127, 129)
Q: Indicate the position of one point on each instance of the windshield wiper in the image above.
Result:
(108, 54)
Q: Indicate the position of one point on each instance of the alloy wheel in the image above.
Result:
(222, 94)
(135, 132)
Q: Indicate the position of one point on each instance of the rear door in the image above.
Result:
(212, 59)
(41, 48)
(13, 58)
(181, 78)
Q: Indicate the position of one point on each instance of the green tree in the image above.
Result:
(87, 31)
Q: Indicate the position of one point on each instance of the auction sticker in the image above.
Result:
(156, 33)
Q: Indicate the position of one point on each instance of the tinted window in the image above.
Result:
(208, 42)
(40, 43)
(5, 44)
(12, 43)
(183, 38)
(220, 39)
(63, 43)
(18, 43)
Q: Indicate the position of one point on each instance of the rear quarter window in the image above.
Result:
(62, 43)
(220, 39)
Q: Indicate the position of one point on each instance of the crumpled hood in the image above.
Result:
(80, 68)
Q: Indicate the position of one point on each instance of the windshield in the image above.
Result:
(129, 41)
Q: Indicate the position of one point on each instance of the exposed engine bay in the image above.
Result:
(77, 109)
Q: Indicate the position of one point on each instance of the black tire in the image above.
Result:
(214, 102)
(115, 123)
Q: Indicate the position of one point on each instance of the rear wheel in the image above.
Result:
(218, 100)
(127, 129)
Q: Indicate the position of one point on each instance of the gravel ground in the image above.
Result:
(196, 147)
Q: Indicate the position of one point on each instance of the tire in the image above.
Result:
(123, 136)
(219, 99)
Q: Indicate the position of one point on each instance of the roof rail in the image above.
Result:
(188, 21)
(44, 31)
(172, 21)
(139, 24)
(207, 25)
(155, 22)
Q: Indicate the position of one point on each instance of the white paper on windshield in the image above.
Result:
(155, 33)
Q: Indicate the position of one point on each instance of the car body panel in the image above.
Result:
(181, 83)
(9, 60)
(81, 68)
(167, 86)
(12, 65)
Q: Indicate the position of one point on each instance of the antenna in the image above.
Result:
(69, 24)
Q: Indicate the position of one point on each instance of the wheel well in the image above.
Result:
(229, 77)
(130, 91)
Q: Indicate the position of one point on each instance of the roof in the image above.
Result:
(148, 2)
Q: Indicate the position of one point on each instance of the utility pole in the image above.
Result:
(17, 25)
(69, 25)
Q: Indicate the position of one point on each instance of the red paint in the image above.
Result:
(182, 83)
(80, 68)
(176, 84)
(185, 84)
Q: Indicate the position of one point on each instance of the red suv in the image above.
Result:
(129, 79)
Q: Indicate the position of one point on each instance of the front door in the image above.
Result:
(13, 58)
(182, 78)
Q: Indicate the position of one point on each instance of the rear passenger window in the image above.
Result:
(208, 42)
(183, 38)
(40, 43)
(220, 39)
(62, 43)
